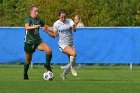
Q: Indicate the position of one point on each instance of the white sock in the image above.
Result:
(72, 60)
(67, 69)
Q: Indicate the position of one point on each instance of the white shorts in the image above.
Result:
(61, 47)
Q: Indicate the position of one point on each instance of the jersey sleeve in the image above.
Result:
(55, 26)
(27, 20)
(71, 22)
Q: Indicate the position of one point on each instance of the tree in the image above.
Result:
(93, 12)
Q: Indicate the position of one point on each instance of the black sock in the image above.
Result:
(48, 59)
(26, 67)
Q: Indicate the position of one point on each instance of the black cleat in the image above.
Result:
(26, 76)
(48, 67)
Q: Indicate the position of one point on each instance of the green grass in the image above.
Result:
(89, 80)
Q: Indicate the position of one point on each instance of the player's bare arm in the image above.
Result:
(50, 31)
(28, 27)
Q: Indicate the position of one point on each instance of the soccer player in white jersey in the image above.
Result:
(64, 28)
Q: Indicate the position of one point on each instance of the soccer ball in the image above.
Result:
(48, 75)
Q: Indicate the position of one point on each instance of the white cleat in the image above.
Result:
(73, 71)
(63, 77)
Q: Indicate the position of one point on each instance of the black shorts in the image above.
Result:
(30, 48)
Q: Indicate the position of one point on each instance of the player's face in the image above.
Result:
(76, 19)
(62, 17)
(34, 12)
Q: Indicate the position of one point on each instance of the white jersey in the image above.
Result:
(80, 25)
(64, 32)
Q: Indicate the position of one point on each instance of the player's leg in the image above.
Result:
(66, 71)
(44, 47)
(71, 55)
(70, 51)
(26, 65)
(29, 50)
(72, 60)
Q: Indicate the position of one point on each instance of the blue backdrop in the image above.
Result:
(93, 45)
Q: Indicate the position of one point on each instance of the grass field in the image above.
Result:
(89, 80)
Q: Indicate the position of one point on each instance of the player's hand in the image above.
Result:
(74, 27)
(45, 28)
(37, 26)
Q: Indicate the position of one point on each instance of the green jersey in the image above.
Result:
(32, 36)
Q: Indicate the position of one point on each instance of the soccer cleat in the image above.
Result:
(63, 77)
(26, 76)
(73, 71)
(48, 67)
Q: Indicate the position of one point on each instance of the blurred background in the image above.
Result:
(93, 12)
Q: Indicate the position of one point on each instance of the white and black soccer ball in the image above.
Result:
(48, 75)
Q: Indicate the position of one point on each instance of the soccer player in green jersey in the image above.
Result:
(33, 41)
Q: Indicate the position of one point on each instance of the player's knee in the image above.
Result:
(48, 50)
(73, 54)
